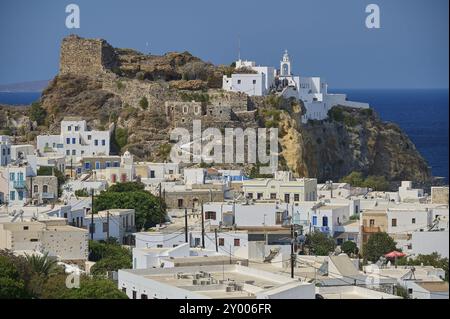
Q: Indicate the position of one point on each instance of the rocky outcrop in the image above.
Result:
(106, 85)
(357, 140)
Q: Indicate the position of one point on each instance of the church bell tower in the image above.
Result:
(285, 65)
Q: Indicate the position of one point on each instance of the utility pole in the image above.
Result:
(107, 223)
(92, 214)
(185, 225)
(215, 235)
(71, 167)
(203, 229)
(292, 251)
(230, 255)
(31, 189)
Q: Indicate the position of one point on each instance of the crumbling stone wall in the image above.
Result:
(86, 56)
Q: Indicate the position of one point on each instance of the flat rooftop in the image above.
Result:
(217, 281)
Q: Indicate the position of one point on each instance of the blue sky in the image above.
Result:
(326, 38)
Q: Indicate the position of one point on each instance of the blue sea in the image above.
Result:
(422, 114)
(19, 98)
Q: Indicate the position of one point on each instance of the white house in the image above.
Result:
(258, 83)
(75, 140)
(211, 282)
(117, 223)
(5, 150)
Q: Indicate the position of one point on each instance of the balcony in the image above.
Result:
(371, 229)
(48, 195)
(20, 184)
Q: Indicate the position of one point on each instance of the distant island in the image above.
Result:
(32, 86)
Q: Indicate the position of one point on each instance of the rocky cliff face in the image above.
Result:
(353, 140)
(129, 89)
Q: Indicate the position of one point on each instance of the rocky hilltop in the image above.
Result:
(144, 96)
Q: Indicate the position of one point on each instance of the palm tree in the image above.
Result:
(42, 265)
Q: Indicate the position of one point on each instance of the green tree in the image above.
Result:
(90, 288)
(378, 245)
(127, 187)
(12, 285)
(149, 209)
(42, 265)
(120, 137)
(143, 103)
(37, 113)
(355, 179)
(82, 193)
(377, 183)
(349, 247)
(320, 244)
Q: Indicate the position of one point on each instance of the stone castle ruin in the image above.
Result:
(86, 56)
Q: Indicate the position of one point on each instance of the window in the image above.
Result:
(325, 221)
(74, 140)
(20, 195)
(413, 221)
(36, 188)
(152, 174)
(134, 294)
(116, 164)
(250, 195)
(296, 197)
(12, 176)
(254, 81)
(69, 128)
(12, 195)
(25, 227)
(372, 222)
(394, 222)
(273, 196)
(259, 195)
(96, 142)
(185, 109)
(237, 242)
(123, 178)
(210, 215)
(196, 242)
(74, 152)
(278, 218)
(68, 152)
(314, 220)
(113, 178)
(67, 140)
(144, 296)
(159, 246)
(103, 142)
(124, 290)
(239, 81)
(105, 227)
(77, 128)
(45, 189)
(410, 290)
(180, 203)
(286, 198)
(221, 242)
(97, 165)
(108, 164)
(33, 239)
(170, 171)
(87, 165)
(89, 137)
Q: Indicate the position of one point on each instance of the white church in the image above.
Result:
(263, 80)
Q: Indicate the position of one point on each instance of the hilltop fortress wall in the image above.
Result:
(86, 56)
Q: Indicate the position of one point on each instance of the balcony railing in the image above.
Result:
(48, 195)
(20, 184)
(371, 229)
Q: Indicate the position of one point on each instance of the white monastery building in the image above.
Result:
(263, 80)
